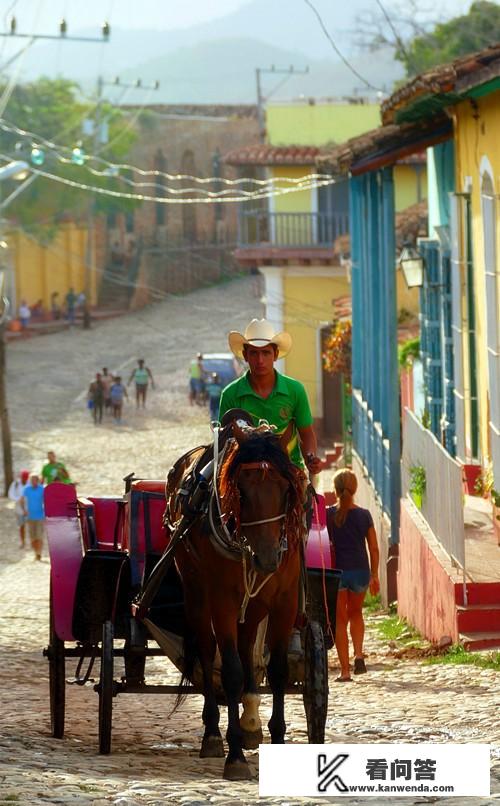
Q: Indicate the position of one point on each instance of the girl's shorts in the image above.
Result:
(356, 581)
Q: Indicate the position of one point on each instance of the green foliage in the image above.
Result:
(394, 628)
(50, 108)
(417, 480)
(450, 40)
(408, 352)
(426, 418)
(495, 497)
(372, 604)
(457, 654)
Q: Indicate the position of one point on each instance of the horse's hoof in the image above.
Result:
(252, 738)
(237, 771)
(212, 747)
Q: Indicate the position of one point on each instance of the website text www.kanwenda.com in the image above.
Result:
(387, 788)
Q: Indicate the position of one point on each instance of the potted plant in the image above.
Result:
(471, 473)
(417, 484)
(495, 501)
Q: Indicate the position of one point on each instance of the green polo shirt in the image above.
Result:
(288, 401)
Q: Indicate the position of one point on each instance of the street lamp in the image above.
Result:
(17, 169)
(412, 265)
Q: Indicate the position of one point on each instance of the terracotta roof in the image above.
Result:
(385, 145)
(445, 84)
(265, 154)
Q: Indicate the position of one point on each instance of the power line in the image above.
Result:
(336, 49)
(113, 166)
(397, 37)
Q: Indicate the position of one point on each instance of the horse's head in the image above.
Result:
(270, 494)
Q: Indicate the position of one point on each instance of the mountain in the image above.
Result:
(286, 24)
(223, 71)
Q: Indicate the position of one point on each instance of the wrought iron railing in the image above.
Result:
(295, 230)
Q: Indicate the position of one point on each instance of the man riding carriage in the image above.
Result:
(236, 518)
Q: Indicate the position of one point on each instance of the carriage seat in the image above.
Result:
(105, 512)
(146, 535)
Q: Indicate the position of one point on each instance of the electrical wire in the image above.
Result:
(38, 139)
(397, 37)
(163, 200)
(336, 49)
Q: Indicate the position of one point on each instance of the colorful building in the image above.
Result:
(453, 111)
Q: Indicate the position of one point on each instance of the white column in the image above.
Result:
(274, 296)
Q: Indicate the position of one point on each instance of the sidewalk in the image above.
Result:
(43, 328)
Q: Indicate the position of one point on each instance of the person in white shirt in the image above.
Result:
(15, 494)
(24, 314)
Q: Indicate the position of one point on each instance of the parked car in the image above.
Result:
(225, 365)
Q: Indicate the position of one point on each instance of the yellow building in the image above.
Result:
(38, 270)
(477, 161)
(296, 239)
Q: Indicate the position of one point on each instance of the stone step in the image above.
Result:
(480, 640)
(478, 618)
(478, 593)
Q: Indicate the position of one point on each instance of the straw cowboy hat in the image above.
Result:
(259, 333)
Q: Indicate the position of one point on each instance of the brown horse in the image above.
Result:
(241, 563)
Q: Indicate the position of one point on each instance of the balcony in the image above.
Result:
(266, 236)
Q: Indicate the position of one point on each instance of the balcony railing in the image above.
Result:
(442, 504)
(290, 230)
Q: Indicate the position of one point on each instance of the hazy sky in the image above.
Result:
(159, 14)
(42, 16)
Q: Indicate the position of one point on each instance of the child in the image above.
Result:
(117, 393)
(214, 391)
(350, 529)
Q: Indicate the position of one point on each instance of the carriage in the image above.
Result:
(103, 550)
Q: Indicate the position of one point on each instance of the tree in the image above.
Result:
(51, 109)
(419, 41)
(450, 40)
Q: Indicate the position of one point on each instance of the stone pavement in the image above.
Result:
(154, 756)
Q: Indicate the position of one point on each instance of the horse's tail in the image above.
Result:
(190, 656)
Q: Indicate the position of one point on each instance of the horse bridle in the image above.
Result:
(226, 542)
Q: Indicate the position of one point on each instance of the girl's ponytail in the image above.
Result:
(346, 484)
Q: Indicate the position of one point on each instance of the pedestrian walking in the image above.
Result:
(24, 314)
(107, 381)
(15, 494)
(33, 509)
(214, 389)
(196, 380)
(141, 375)
(54, 470)
(96, 398)
(118, 392)
(70, 306)
(54, 306)
(351, 531)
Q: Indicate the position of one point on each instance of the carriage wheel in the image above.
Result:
(57, 679)
(106, 686)
(315, 682)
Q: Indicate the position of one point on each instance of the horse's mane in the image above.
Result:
(261, 447)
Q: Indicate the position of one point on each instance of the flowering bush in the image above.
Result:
(337, 349)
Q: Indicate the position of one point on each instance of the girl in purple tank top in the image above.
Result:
(352, 532)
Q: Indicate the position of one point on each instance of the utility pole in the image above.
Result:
(8, 470)
(261, 99)
(99, 140)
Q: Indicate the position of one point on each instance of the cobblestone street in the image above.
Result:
(154, 757)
